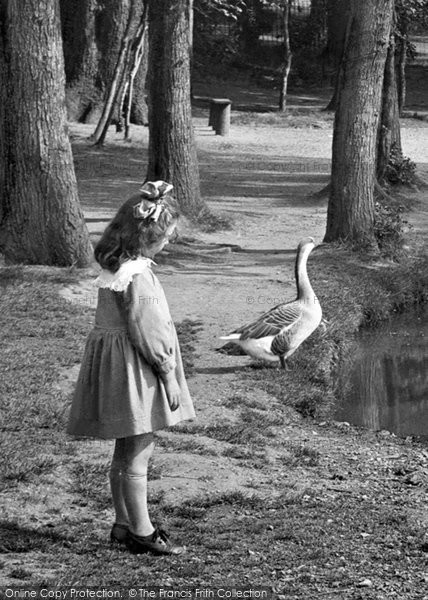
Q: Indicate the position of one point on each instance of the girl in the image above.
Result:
(131, 381)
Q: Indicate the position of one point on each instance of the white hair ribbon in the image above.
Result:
(153, 192)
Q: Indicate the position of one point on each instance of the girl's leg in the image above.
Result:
(137, 451)
(116, 472)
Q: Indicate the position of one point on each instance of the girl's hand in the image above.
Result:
(172, 390)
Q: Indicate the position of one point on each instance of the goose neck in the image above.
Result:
(304, 288)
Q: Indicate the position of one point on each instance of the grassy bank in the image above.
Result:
(355, 293)
(331, 513)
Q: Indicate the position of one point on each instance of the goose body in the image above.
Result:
(276, 334)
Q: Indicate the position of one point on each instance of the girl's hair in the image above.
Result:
(125, 235)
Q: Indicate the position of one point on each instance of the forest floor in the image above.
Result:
(263, 496)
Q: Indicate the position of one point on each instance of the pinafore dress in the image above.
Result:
(119, 392)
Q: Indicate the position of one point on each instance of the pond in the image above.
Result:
(384, 384)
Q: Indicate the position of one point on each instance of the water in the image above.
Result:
(384, 384)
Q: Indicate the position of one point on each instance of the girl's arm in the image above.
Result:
(149, 322)
(151, 330)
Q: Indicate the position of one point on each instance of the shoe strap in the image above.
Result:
(160, 534)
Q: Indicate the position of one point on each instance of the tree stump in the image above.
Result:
(219, 118)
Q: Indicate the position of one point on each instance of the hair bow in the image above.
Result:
(153, 192)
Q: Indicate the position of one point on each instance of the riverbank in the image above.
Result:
(264, 487)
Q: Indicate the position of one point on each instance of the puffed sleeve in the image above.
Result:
(149, 322)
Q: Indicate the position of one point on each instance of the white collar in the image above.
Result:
(119, 281)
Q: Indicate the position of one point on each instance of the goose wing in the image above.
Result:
(276, 320)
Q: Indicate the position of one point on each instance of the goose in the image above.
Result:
(276, 334)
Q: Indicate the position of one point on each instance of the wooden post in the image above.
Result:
(219, 118)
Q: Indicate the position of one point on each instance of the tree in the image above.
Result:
(172, 152)
(93, 32)
(389, 135)
(116, 90)
(409, 13)
(337, 20)
(351, 203)
(40, 218)
(287, 55)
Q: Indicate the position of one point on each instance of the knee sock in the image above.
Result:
(134, 486)
(116, 486)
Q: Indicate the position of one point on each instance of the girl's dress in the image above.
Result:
(119, 392)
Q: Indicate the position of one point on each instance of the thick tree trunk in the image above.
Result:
(40, 219)
(351, 204)
(287, 57)
(172, 152)
(92, 31)
(337, 21)
(389, 125)
(84, 90)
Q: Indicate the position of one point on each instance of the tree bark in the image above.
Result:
(287, 57)
(172, 152)
(337, 22)
(389, 125)
(40, 219)
(137, 56)
(401, 73)
(351, 204)
(92, 33)
(139, 108)
(119, 77)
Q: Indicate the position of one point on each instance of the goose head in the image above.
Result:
(306, 242)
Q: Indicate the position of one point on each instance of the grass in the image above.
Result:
(295, 118)
(187, 331)
(301, 546)
(42, 334)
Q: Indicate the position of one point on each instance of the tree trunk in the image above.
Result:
(337, 21)
(92, 33)
(172, 152)
(401, 73)
(40, 220)
(389, 125)
(287, 57)
(351, 204)
(139, 108)
(137, 56)
(118, 78)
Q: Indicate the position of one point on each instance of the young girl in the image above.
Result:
(131, 381)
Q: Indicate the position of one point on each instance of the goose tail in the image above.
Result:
(232, 337)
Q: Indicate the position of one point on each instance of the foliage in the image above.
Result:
(389, 227)
(400, 169)
(226, 8)
(232, 35)
(215, 36)
(411, 13)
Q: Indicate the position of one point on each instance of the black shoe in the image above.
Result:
(157, 543)
(118, 534)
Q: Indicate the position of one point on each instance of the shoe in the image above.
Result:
(157, 543)
(118, 533)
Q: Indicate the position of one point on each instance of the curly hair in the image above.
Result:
(125, 235)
